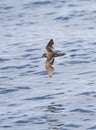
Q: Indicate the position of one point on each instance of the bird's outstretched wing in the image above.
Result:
(49, 46)
(59, 54)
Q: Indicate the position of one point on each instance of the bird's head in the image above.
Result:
(44, 55)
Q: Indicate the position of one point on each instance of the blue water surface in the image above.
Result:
(29, 99)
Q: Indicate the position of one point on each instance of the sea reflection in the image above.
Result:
(54, 120)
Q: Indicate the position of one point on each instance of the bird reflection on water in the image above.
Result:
(54, 117)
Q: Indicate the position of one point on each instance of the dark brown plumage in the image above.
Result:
(51, 53)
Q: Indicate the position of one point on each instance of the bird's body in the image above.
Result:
(50, 55)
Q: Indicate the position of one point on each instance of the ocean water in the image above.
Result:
(29, 99)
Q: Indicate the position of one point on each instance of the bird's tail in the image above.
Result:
(49, 69)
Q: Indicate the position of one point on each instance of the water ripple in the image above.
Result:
(62, 18)
(87, 93)
(15, 67)
(42, 3)
(40, 98)
(92, 128)
(3, 59)
(82, 111)
(5, 91)
(72, 126)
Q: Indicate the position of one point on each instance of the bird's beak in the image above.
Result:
(42, 56)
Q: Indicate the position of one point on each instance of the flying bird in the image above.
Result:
(50, 55)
